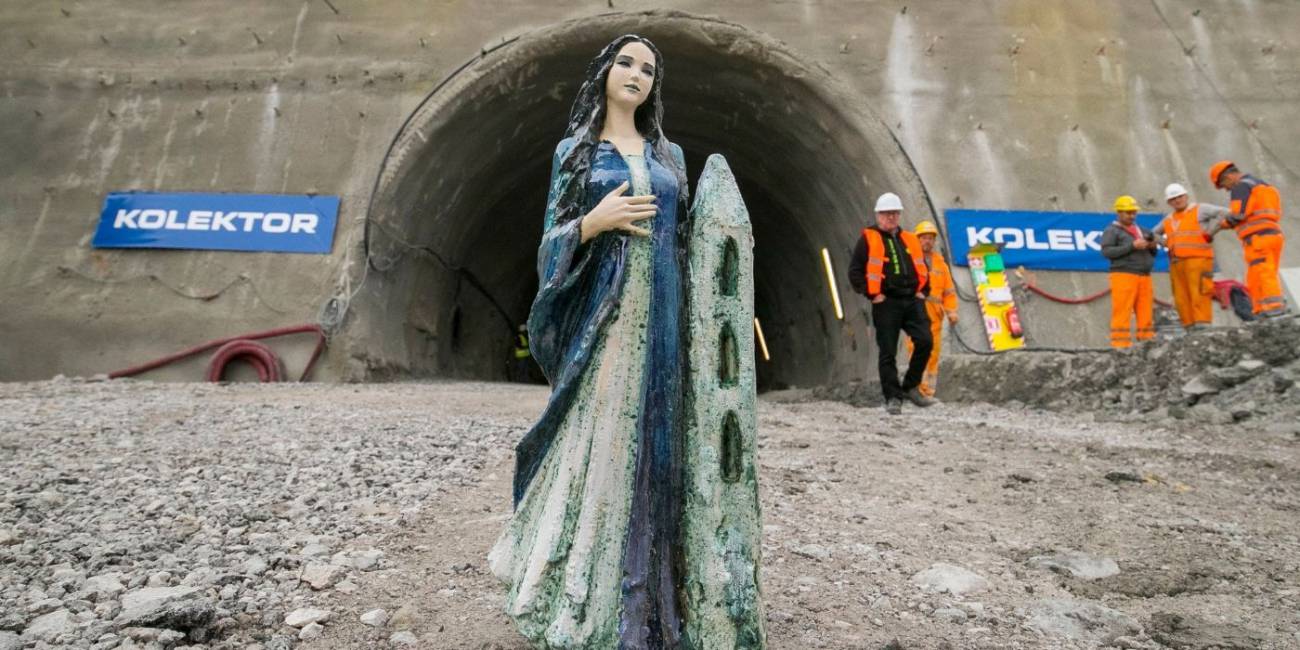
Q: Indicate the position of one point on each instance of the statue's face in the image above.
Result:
(632, 75)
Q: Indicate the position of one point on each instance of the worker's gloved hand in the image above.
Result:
(920, 296)
(952, 318)
(878, 299)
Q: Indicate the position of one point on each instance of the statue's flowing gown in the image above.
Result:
(589, 554)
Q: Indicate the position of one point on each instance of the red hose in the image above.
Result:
(269, 366)
(263, 360)
(1078, 301)
(1066, 301)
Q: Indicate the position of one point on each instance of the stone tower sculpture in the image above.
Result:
(723, 531)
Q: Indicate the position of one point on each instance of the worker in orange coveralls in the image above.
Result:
(1131, 250)
(1257, 217)
(940, 305)
(1187, 232)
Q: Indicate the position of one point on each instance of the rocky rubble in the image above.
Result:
(203, 516)
(169, 516)
(1219, 376)
(1110, 535)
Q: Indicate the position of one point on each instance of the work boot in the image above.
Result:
(894, 406)
(916, 397)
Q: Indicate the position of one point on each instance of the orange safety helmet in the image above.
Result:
(1217, 169)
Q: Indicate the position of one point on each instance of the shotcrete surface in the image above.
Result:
(1026, 104)
(238, 490)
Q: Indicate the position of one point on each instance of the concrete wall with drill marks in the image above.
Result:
(1024, 104)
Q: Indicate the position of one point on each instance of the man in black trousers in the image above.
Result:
(889, 268)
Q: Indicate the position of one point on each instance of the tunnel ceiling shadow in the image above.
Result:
(456, 218)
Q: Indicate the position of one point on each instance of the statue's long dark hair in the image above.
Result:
(587, 119)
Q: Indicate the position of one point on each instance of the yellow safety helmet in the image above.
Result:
(1126, 203)
(926, 227)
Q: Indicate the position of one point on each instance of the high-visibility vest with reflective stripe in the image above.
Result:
(876, 259)
(1263, 212)
(1186, 239)
(521, 347)
(942, 291)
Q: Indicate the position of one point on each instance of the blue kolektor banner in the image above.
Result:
(1057, 241)
(233, 222)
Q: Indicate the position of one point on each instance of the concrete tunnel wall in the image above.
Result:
(1024, 104)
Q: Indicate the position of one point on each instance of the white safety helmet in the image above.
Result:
(1174, 190)
(889, 202)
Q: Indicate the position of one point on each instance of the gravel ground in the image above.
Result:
(143, 515)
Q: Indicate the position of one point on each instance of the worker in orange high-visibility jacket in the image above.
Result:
(1187, 233)
(940, 305)
(1131, 250)
(1257, 217)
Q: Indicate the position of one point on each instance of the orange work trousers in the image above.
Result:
(1192, 279)
(1130, 295)
(930, 380)
(1263, 256)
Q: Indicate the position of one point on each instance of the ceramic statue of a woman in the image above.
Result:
(598, 553)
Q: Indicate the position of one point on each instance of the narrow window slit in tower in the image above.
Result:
(731, 452)
(728, 357)
(729, 274)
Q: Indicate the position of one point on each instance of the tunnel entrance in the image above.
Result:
(455, 220)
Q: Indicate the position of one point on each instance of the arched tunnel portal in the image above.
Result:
(456, 217)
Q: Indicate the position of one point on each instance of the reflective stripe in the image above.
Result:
(1186, 250)
(1254, 218)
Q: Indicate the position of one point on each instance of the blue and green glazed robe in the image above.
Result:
(591, 553)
